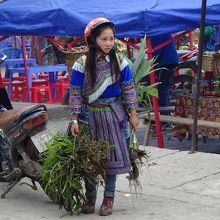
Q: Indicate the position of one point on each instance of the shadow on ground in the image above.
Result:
(170, 142)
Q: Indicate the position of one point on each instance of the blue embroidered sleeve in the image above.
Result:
(76, 83)
(127, 86)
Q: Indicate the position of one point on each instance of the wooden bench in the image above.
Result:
(180, 120)
(173, 120)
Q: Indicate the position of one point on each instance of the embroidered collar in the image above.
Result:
(102, 57)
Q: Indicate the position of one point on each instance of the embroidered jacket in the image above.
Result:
(106, 86)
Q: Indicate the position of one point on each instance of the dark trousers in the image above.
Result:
(165, 76)
(109, 187)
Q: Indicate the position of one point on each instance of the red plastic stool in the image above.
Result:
(63, 79)
(19, 78)
(60, 89)
(40, 82)
(5, 82)
(43, 76)
(41, 94)
(18, 91)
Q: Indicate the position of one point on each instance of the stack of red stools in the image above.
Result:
(44, 92)
(18, 89)
(60, 88)
(63, 79)
(40, 90)
(43, 76)
(5, 82)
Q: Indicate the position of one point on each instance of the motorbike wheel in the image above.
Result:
(65, 100)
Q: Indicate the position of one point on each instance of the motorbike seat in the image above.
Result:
(7, 118)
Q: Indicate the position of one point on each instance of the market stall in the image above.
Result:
(209, 110)
(132, 19)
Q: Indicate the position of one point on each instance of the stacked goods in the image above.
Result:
(217, 64)
(216, 83)
(216, 78)
(195, 34)
(208, 62)
(211, 66)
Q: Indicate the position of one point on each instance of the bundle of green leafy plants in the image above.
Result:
(138, 158)
(141, 69)
(66, 164)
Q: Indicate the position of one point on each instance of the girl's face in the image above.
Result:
(106, 40)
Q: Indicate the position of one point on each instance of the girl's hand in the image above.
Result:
(133, 121)
(75, 129)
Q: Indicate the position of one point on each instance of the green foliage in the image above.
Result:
(66, 164)
(141, 68)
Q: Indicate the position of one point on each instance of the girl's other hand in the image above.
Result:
(74, 129)
(133, 121)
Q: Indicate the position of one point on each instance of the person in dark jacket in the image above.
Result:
(167, 59)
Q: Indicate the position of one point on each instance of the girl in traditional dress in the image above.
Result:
(103, 98)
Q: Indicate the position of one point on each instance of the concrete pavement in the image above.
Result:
(175, 185)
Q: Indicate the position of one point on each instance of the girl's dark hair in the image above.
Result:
(90, 65)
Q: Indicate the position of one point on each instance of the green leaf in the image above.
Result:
(140, 69)
(152, 91)
(143, 70)
(140, 56)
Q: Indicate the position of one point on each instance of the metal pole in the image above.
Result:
(198, 78)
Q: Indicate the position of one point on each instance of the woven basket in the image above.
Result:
(208, 62)
(217, 64)
(72, 56)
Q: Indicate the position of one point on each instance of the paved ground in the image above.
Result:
(175, 185)
(212, 145)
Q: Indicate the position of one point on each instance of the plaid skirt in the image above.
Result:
(108, 122)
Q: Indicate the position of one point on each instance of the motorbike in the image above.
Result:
(23, 133)
(20, 132)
